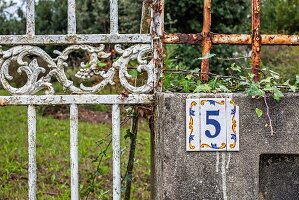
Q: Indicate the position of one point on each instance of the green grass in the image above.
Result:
(53, 157)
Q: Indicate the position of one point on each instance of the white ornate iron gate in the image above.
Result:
(94, 44)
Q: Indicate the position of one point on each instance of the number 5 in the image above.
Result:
(213, 122)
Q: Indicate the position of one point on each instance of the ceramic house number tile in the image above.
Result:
(232, 119)
(192, 125)
(213, 124)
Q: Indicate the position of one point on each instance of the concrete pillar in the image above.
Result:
(221, 175)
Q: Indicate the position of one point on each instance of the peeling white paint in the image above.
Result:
(39, 78)
(77, 99)
(74, 152)
(75, 39)
(71, 17)
(32, 152)
(116, 152)
(30, 17)
(113, 16)
(36, 82)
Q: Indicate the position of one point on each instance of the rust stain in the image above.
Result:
(157, 31)
(233, 39)
(280, 39)
(72, 39)
(180, 38)
(3, 102)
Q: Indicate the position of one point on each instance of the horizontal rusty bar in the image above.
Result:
(231, 39)
(280, 39)
(236, 39)
(180, 38)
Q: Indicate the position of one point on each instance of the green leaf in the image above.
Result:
(87, 65)
(189, 76)
(207, 56)
(254, 90)
(235, 67)
(133, 73)
(277, 94)
(203, 88)
(258, 112)
(251, 76)
(293, 88)
(100, 64)
(266, 80)
(297, 79)
(223, 88)
(268, 88)
(274, 74)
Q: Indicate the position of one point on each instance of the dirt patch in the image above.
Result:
(87, 115)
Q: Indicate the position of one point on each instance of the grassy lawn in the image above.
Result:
(53, 157)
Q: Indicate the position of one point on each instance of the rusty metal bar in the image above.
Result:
(233, 39)
(157, 31)
(206, 39)
(280, 39)
(256, 39)
(181, 38)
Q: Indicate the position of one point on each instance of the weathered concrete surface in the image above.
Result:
(210, 175)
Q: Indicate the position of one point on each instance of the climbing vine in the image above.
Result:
(239, 79)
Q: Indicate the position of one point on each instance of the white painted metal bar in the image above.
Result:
(76, 99)
(32, 152)
(74, 152)
(71, 17)
(114, 16)
(75, 39)
(116, 152)
(30, 17)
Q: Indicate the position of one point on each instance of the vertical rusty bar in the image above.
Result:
(256, 39)
(157, 30)
(206, 42)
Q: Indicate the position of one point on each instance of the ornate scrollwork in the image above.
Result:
(132, 53)
(39, 78)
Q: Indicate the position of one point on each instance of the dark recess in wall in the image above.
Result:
(279, 177)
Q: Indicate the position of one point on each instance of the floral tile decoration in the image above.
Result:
(212, 124)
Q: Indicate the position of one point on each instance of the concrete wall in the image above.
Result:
(221, 175)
